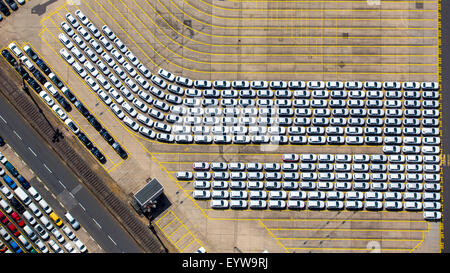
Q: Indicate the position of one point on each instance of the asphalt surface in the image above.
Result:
(445, 95)
(93, 217)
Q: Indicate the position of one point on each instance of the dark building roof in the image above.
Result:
(148, 193)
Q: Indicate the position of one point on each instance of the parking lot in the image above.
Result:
(236, 40)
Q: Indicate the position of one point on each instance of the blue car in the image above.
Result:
(23, 182)
(15, 247)
(9, 181)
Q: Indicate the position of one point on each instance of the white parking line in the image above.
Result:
(112, 240)
(47, 168)
(32, 151)
(96, 223)
(17, 135)
(82, 206)
(3, 119)
(64, 186)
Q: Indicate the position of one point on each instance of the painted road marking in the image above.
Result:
(64, 186)
(112, 240)
(32, 151)
(3, 119)
(17, 135)
(47, 168)
(82, 206)
(96, 223)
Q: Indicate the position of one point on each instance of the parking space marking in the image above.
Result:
(168, 236)
(209, 71)
(251, 63)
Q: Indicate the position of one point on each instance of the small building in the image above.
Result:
(145, 198)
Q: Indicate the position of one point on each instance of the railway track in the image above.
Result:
(117, 207)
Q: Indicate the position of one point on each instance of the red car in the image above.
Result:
(13, 229)
(3, 218)
(17, 218)
(3, 248)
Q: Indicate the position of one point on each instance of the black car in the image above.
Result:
(31, 53)
(56, 81)
(64, 103)
(43, 66)
(120, 151)
(98, 155)
(4, 9)
(17, 205)
(85, 140)
(38, 75)
(23, 182)
(94, 122)
(2, 142)
(34, 85)
(22, 72)
(82, 109)
(105, 134)
(69, 95)
(11, 60)
(12, 4)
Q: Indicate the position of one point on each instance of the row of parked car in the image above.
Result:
(20, 201)
(11, 4)
(87, 56)
(63, 102)
(321, 205)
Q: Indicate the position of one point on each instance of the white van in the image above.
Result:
(31, 234)
(24, 242)
(72, 221)
(5, 235)
(35, 209)
(34, 194)
(29, 218)
(81, 247)
(6, 192)
(5, 206)
(46, 223)
(44, 205)
(22, 196)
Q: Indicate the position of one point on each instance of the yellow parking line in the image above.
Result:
(194, 70)
(187, 233)
(173, 232)
(298, 10)
(350, 239)
(346, 229)
(273, 236)
(249, 54)
(168, 224)
(187, 245)
(346, 249)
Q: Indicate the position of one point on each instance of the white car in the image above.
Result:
(108, 32)
(117, 111)
(65, 41)
(432, 215)
(120, 45)
(72, 20)
(133, 59)
(94, 31)
(83, 19)
(67, 29)
(219, 204)
(108, 46)
(201, 194)
(59, 112)
(46, 98)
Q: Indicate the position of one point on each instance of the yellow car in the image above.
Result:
(56, 219)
